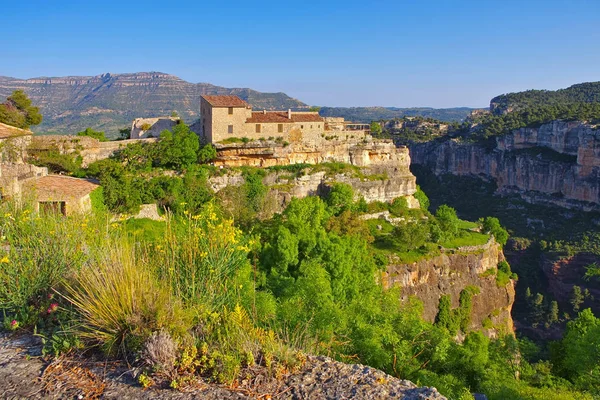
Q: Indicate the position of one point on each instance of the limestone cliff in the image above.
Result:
(450, 273)
(384, 168)
(556, 163)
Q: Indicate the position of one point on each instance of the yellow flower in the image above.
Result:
(4, 260)
(7, 215)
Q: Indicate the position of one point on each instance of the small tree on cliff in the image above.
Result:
(375, 128)
(17, 111)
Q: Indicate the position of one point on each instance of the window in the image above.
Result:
(280, 128)
(230, 129)
(257, 128)
(301, 126)
(230, 111)
(311, 127)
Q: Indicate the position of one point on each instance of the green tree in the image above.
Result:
(577, 298)
(17, 111)
(492, 225)
(553, 312)
(448, 221)
(580, 351)
(207, 153)
(375, 128)
(94, 134)
(178, 148)
(422, 198)
(340, 198)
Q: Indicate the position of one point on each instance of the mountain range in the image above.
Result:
(109, 102)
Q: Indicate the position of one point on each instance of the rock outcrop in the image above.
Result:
(449, 274)
(26, 375)
(384, 168)
(557, 163)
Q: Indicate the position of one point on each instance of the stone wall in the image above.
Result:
(14, 149)
(154, 127)
(89, 148)
(14, 175)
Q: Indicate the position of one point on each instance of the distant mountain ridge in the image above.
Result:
(587, 92)
(109, 102)
(368, 114)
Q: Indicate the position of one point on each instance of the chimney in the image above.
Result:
(289, 113)
(264, 111)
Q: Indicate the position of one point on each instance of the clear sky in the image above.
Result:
(336, 53)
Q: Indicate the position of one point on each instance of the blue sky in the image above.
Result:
(336, 53)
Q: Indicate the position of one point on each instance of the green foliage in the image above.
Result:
(504, 274)
(340, 198)
(492, 225)
(375, 129)
(97, 199)
(93, 134)
(17, 111)
(422, 198)
(448, 221)
(578, 355)
(207, 153)
(56, 161)
(178, 148)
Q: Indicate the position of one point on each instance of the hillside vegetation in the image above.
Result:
(588, 92)
(368, 114)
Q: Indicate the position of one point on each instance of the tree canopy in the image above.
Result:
(17, 111)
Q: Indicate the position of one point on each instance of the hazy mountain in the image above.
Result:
(109, 102)
(368, 114)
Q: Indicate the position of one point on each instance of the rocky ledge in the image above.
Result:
(25, 374)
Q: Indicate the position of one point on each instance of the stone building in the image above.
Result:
(62, 194)
(223, 117)
(142, 128)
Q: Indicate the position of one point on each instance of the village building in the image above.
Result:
(143, 128)
(61, 194)
(223, 117)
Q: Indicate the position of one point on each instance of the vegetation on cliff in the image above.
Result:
(588, 92)
(206, 298)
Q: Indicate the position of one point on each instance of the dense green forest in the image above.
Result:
(588, 92)
(233, 286)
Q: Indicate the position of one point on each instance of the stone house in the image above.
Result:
(142, 128)
(223, 117)
(63, 194)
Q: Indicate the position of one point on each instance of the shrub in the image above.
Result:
(93, 134)
(120, 304)
(145, 126)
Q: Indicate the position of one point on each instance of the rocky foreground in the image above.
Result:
(25, 374)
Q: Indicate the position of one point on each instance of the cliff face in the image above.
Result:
(557, 163)
(384, 167)
(565, 272)
(450, 273)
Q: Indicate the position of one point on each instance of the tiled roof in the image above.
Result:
(60, 187)
(282, 117)
(225, 101)
(7, 131)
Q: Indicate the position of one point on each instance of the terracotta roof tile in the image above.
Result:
(282, 117)
(225, 101)
(7, 131)
(60, 187)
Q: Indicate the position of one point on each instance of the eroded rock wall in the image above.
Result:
(450, 273)
(569, 177)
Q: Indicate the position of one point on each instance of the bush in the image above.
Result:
(93, 134)
(120, 304)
